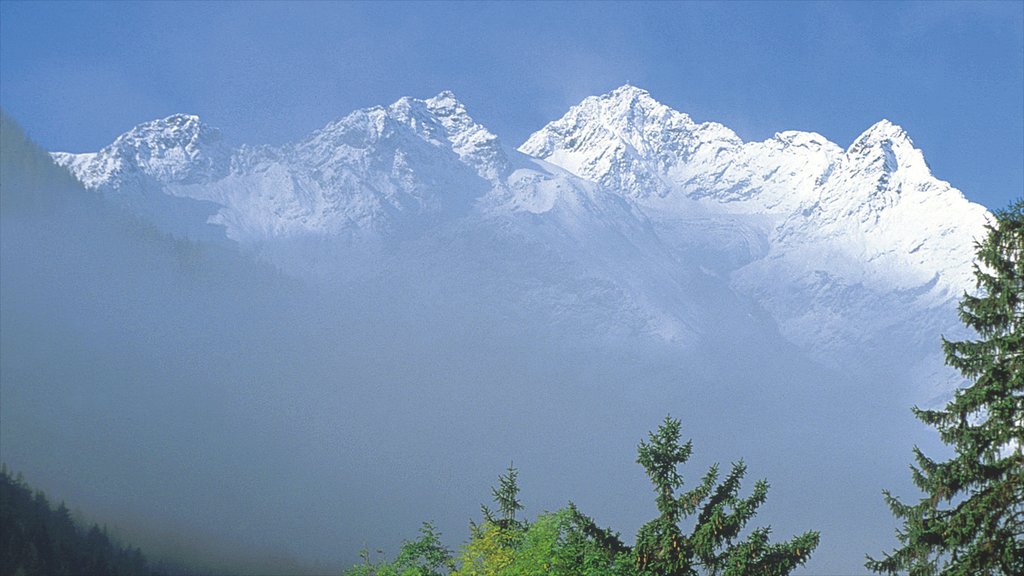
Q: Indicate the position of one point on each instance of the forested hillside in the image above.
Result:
(36, 538)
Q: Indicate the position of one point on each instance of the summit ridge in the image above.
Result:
(632, 192)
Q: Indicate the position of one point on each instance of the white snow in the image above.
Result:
(834, 244)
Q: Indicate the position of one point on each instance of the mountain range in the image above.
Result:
(661, 225)
(312, 348)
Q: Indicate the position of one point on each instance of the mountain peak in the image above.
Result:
(178, 148)
(881, 133)
(446, 105)
(884, 130)
(629, 142)
(182, 119)
(441, 121)
(630, 103)
(444, 98)
(174, 131)
(182, 124)
(627, 92)
(889, 144)
(474, 144)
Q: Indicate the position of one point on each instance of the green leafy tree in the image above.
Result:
(425, 556)
(971, 517)
(489, 552)
(568, 543)
(713, 546)
(561, 543)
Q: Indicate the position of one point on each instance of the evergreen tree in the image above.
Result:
(36, 539)
(971, 518)
(662, 549)
(569, 543)
(561, 543)
(492, 545)
(506, 496)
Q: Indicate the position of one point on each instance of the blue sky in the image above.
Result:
(76, 75)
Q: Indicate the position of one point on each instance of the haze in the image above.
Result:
(274, 408)
(217, 410)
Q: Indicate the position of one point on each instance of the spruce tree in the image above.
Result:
(971, 517)
(506, 496)
(714, 545)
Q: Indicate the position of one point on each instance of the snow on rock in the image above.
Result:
(875, 206)
(680, 223)
(628, 142)
(372, 171)
(474, 144)
(176, 149)
(843, 248)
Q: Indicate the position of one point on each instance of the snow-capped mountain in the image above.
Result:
(369, 170)
(137, 170)
(176, 150)
(876, 200)
(448, 302)
(820, 232)
(666, 213)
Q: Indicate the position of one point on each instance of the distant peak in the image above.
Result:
(801, 138)
(442, 105)
(174, 121)
(188, 125)
(882, 131)
(445, 95)
(628, 90)
(445, 102)
(444, 121)
(628, 95)
(630, 106)
(890, 142)
(179, 148)
(181, 118)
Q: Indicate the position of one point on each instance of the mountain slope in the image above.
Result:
(878, 197)
(677, 218)
(821, 237)
(456, 304)
(375, 170)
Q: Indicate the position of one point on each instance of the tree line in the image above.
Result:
(968, 522)
(38, 539)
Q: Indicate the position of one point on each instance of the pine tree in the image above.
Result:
(713, 546)
(506, 496)
(971, 518)
(493, 545)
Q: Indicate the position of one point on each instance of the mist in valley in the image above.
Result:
(217, 409)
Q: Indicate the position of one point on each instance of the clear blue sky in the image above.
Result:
(75, 75)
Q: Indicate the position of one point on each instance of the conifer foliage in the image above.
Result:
(36, 539)
(567, 542)
(506, 496)
(713, 546)
(971, 517)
